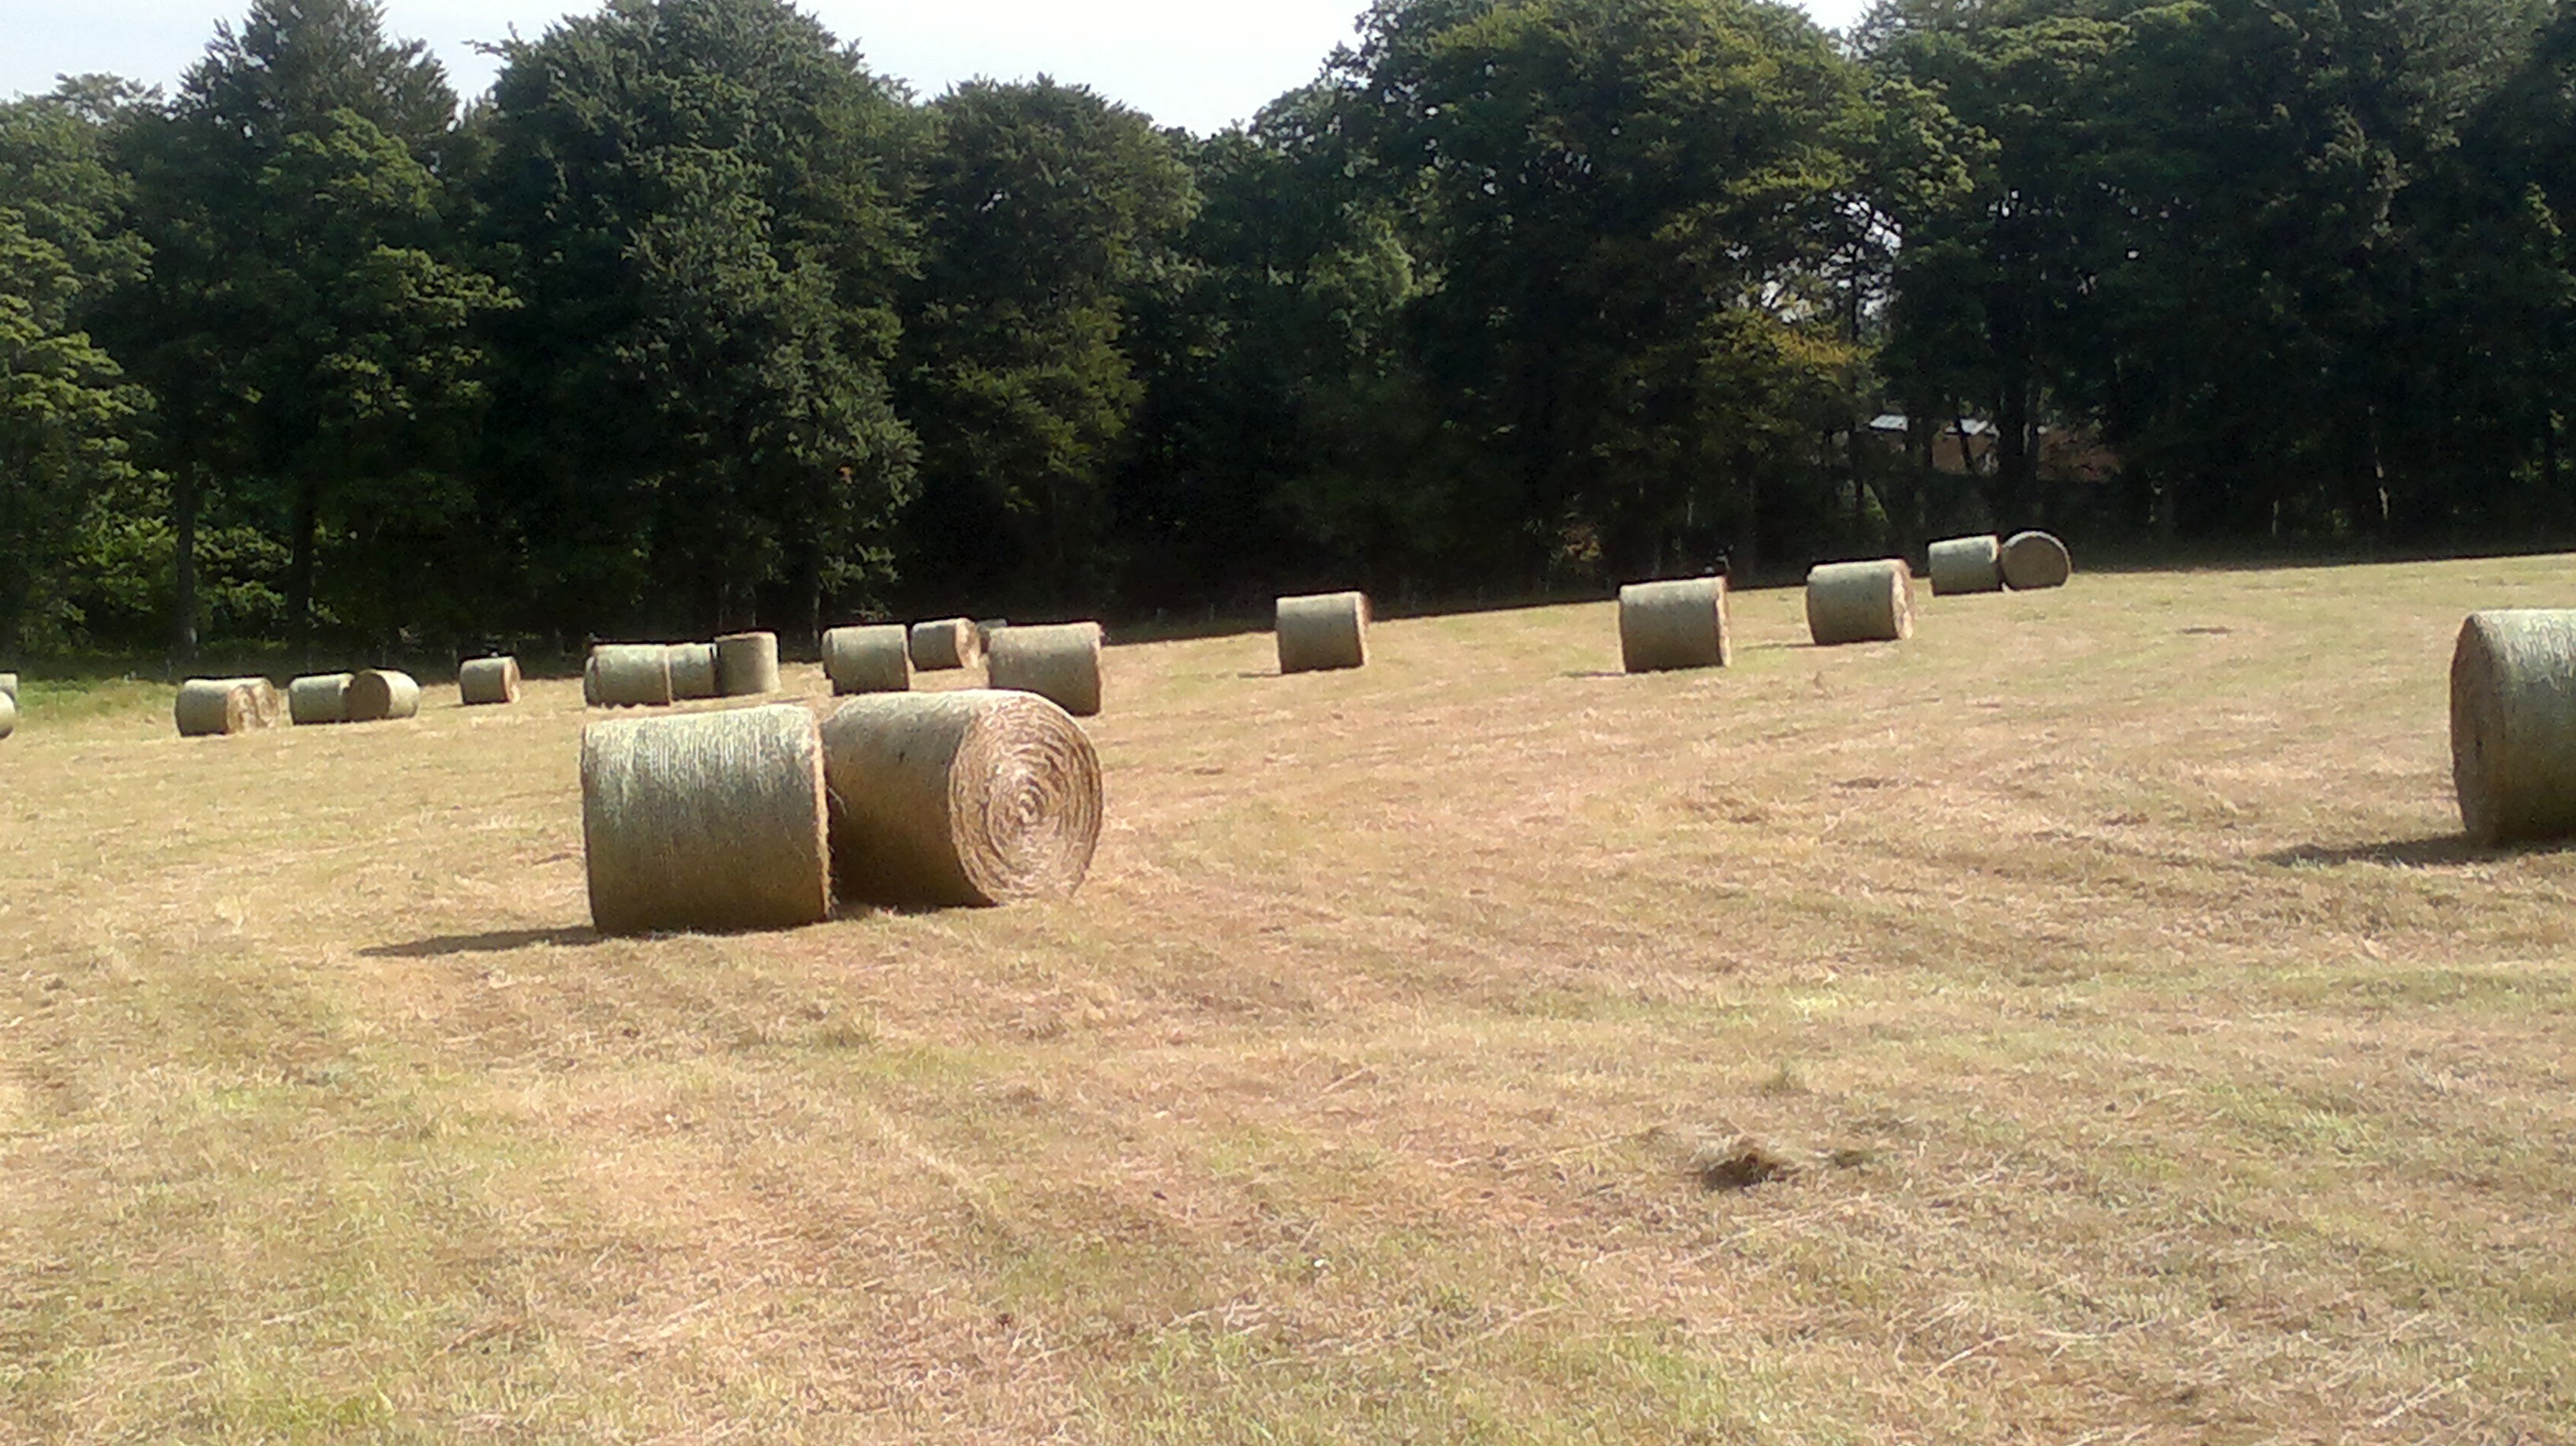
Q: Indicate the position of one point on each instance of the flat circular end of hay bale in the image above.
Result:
(2513, 725)
(318, 698)
(483, 682)
(8, 714)
(1966, 565)
(946, 643)
(1675, 624)
(2033, 560)
(630, 675)
(590, 682)
(220, 707)
(873, 659)
(1322, 632)
(747, 665)
(9, 686)
(1059, 662)
(706, 822)
(1860, 602)
(381, 695)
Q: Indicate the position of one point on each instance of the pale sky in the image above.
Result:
(1198, 63)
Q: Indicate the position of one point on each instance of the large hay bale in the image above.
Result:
(9, 686)
(630, 675)
(1967, 564)
(215, 707)
(706, 821)
(1323, 631)
(1677, 624)
(979, 796)
(1860, 602)
(869, 660)
(8, 714)
(1060, 662)
(381, 695)
(2035, 560)
(947, 643)
(318, 698)
(2513, 725)
(693, 671)
(747, 665)
(483, 681)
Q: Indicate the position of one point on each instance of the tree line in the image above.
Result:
(695, 321)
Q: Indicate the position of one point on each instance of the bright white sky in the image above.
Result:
(1198, 63)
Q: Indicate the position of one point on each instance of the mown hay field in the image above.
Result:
(2077, 1024)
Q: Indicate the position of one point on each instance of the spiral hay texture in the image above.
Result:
(381, 695)
(1677, 624)
(747, 664)
(693, 671)
(706, 821)
(217, 707)
(630, 675)
(485, 681)
(319, 698)
(1967, 564)
(869, 660)
(2513, 725)
(1323, 632)
(1060, 663)
(2035, 560)
(1860, 602)
(972, 797)
(947, 643)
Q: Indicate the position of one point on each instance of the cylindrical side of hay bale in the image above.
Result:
(947, 643)
(707, 821)
(381, 695)
(319, 698)
(8, 714)
(2513, 725)
(1060, 662)
(1323, 631)
(1677, 624)
(693, 671)
(973, 797)
(213, 707)
(483, 681)
(1860, 602)
(2035, 560)
(747, 664)
(1967, 564)
(874, 659)
(631, 675)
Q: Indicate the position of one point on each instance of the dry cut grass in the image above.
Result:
(2079, 1024)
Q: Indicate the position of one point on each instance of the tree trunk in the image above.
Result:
(299, 577)
(184, 561)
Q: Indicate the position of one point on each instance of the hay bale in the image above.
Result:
(1967, 564)
(9, 686)
(947, 643)
(2035, 560)
(483, 681)
(873, 659)
(318, 698)
(1860, 602)
(1060, 663)
(630, 675)
(8, 714)
(973, 797)
(381, 695)
(1323, 631)
(217, 707)
(1677, 624)
(590, 682)
(747, 665)
(2513, 725)
(693, 671)
(706, 821)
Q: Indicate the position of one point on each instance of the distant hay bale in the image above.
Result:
(693, 671)
(973, 797)
(590, 682)
(1967, 564)
(1681, 623)
(2035, 560)
(1860, 602)
(747, 665)
(8, 714)
(1060, 663)
(215, 707)
(2513, 725)
(9, 686)
(483, 681)
(1323, 631)
(318, 698)
(381, 695)
(870, 659)
(706, 821)
(630, 675)
(947, 643)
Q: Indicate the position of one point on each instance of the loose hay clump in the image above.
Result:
(2035, 560)
(1060, 663)
(869, 660)
(218, 707)
(1967, 564)
(484, 681)
(747, 665)
(973, 797)
(630, 675)
(947, 643)
(1677, 624)
(1323, 631)
(381, 695)
(1860, 602)
(693, 671)
(2513, 725)
(706, 821)
(318, 698)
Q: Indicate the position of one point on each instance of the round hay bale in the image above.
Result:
(973, 797)
(631, 675)
(1860, 602)
(2035, 560)
(1677, 624)
(590, 682)
(381, 695)
(9, 686)
(484, 681)
(746, 665)
(8, 714)
(874, 659)
(1060, 663)
(693, 671)
(2513, 725)
(1323, 631)
(217, 707)
(706, 821)
(1967, 564)
(947, 643)
(318, 698)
